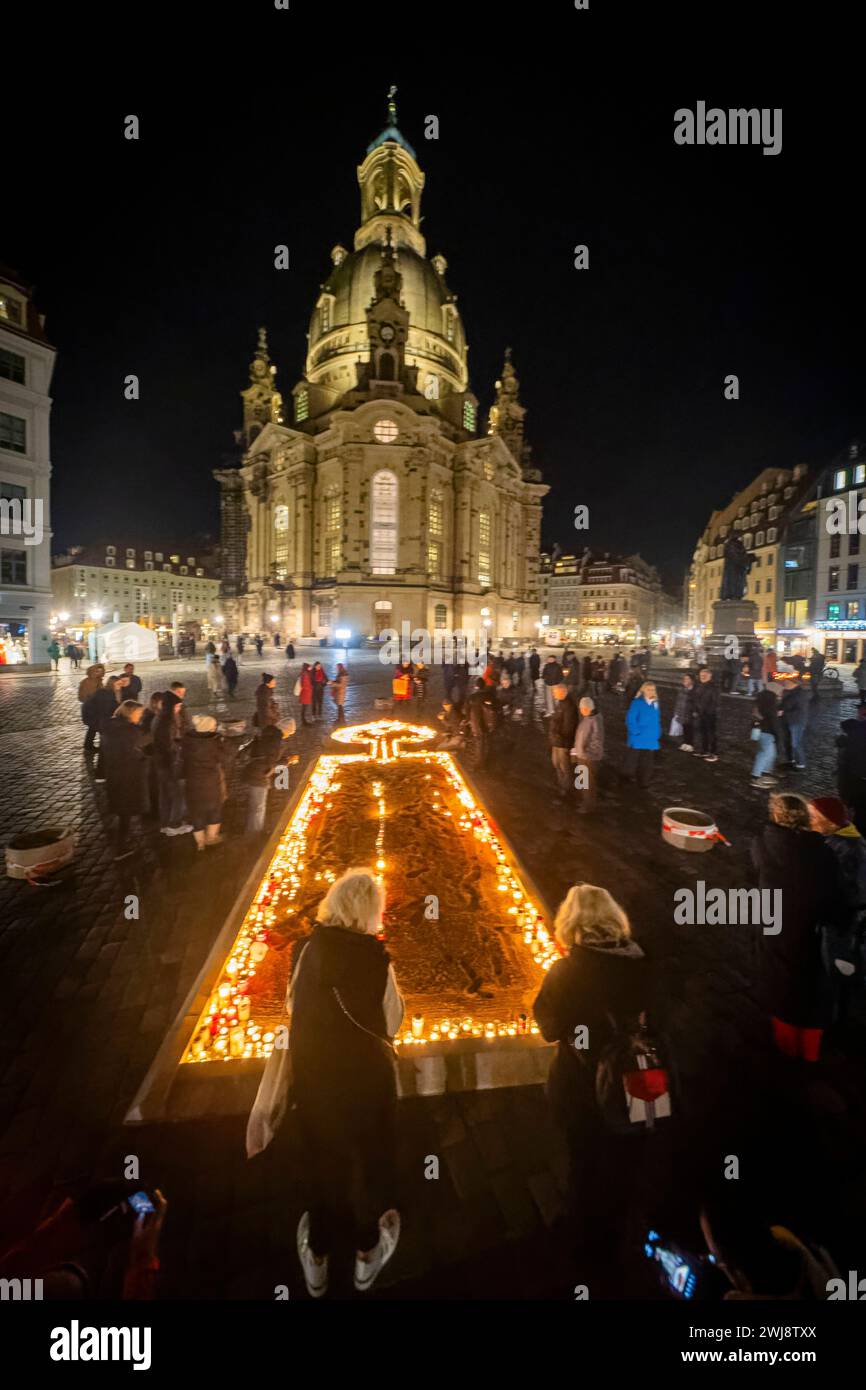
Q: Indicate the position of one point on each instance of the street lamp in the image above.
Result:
(64, 617)
(96, 614)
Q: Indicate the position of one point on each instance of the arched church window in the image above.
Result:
(302, 405)
(484, 549)
(383, 525)
(281, 542)
(325, 316)
(440, 616)
(469, 416)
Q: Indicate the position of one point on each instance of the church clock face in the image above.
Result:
(386, 333)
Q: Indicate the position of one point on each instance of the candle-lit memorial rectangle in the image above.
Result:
(468, 940)
(468, 943)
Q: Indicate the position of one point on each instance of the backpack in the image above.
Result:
(632, 1084)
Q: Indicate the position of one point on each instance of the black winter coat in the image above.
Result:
(767, 714)
(337, 1067)
(165, 729)
(795, 705)
(264, 755)
(706, 699)
(851, 767)
(99, 708)
(203, 773)
(583, 988)
(562, 724)
(792, 985)
(126, 767)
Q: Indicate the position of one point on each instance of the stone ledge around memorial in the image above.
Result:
(208, 1090)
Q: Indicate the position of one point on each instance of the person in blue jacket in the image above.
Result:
(643, 725)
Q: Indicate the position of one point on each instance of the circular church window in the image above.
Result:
(385, 431)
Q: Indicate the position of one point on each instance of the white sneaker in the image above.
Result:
(183, 830)
(368, 1271)
(315, 1270)
(686, 748)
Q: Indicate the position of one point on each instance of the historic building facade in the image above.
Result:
(26, 369)
(379, 501)
(601, 598)
(759, 515)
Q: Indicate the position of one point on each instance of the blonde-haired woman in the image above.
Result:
(600, 986)
(346, 1009)
(126, 770)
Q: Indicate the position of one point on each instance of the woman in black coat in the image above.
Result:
(605, 976)
(793, 987)
(345, 1009)
(204, 779)
(126, 770)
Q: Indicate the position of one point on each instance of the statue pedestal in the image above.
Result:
(734, 617)
(731, 618)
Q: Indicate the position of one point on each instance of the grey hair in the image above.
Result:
(589, 916)
(587, 702)
(355, 901)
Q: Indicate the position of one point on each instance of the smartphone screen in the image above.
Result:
(140, 1203)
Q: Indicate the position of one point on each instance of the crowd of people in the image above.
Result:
(344, 997)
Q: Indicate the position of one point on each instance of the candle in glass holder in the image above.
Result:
(417, 1025)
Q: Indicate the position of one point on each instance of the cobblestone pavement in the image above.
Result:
(88, 997)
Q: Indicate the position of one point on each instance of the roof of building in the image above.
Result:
(391, 133)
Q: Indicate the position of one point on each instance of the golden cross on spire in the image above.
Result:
(392, 106)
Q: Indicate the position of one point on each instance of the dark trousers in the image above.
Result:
(90, 738)
(638, 765)
(171, 803)
(351, 1174)
(707, 732)
(318, 697)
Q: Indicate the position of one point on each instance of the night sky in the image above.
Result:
(156, 258)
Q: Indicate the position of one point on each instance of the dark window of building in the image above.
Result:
(12, 365)
(854, 544)
(853, 576)
(13, 433)
(13, 566)
(833, 579)
(835, 545)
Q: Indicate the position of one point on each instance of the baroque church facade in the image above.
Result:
(380, 501)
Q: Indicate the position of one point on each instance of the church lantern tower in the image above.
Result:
(263, 403)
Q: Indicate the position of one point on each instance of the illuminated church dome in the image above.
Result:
(391, 184)
(376, 499)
